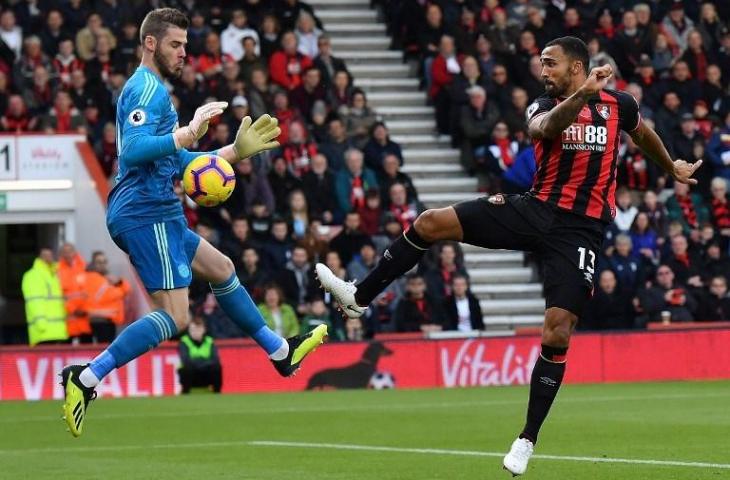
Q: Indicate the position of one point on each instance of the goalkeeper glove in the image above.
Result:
(186, 136)
(256, 137)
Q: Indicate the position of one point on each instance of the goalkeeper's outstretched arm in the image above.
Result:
(252, 138)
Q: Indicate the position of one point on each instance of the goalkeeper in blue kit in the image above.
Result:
(145, 218)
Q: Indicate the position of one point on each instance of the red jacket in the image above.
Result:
(440, 76)
(286, 70)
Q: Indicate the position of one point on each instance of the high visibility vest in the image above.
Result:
(44, 307)
(198, 352)
(103, 299)
(72, 277)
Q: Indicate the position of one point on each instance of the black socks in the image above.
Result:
(546, 379)
(400, 257)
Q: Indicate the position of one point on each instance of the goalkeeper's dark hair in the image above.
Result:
(159, 20)
(574, 48)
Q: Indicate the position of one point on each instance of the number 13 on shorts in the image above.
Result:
(589, 269)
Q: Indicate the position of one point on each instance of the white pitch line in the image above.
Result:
(476, 453)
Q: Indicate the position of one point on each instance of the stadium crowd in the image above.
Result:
(333, 192)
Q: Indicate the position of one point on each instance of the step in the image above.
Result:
(346, 15)
(445, 185)
(397, 127)
(387, 99)
(400, 111)
(441, 200)
(355, 29)
(375, 42)
(421, 170)
(349, 55)
(387, 83)
(513, 306)
(500, 275)
(422, 138)
(382, 70)
(322, 4)
(449, 156)
(486, 258)
(491, 321)
(485, 291)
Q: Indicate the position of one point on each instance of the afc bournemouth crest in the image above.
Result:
(603, 110)
(497, 199)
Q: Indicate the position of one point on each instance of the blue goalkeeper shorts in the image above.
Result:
(162, 253)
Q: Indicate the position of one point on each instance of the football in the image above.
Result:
(209, 180)
(382, 381)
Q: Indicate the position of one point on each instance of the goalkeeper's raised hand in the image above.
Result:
(256, 137)
(186, 136)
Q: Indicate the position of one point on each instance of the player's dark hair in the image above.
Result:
(573, 47)
(159, 20)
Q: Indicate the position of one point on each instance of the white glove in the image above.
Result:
(186, 136)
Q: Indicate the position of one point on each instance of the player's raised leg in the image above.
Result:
(285, 354)
(431, 226)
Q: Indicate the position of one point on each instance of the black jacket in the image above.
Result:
(452, 316)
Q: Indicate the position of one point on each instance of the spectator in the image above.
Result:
(63, 117)
(229, 84)
(282, 182)
(715, 304)
(457, 92)
(462, 309)
(720, 208)
(298, 151)
(646, 78)
(287, 64)
(444, 68)
(315, 240)
(644, 237)
(599, 57)
(380, 145)
(484, 56)
(516, 113)
(100, 67)
(285, 113)
(348, 242)
(297, 280)
(250, 59)
(406, 212)
(106, 150)
(353, 181)
(279, 316)
(340, 91)
(269, 35)
(261, 220)
(126, 51)
(65, 63)
(10, 33)
(192, 90)
(663, 56)
(503, 34)
(279, 247)
(317, 315)
(417, 312)
(24, 71)
(495, 159)
(200, 365)
(44, 307)
(260, 94)
(336, 146)
(209, 64)
(715, 262)
(681, 81)
(308, 93)
(250, 186)
(233, 36)
(608, 308)
(625, 211)
(631, 42)
(500, 87)
(16, 117)
(630, 269)
(685, 264)
(635, 171)
(197, 33)
(683, 144)
(477, 121)
(307, 35)
(667, 299)
(718, 150)
(358, 118)
(439, 278)
(71, 268)
(288, 11)
(697, 57)
(54, 32)
(518, 177)
(371, 212)
(392, 174)
(327, 63)
(667, 116)
(238, 239)
(710, 26)
(655, 211)
(105, 294)
(87, 37)
(677, 26)
(319, 188)
(687, 208)
(298, 216)
(360, 265)
(250, 272)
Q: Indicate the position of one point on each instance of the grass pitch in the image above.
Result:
(667, 431)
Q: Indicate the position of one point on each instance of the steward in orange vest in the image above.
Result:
(105, 294)
(72, 272)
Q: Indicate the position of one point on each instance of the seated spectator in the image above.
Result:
(270, 30)
(439, 278)
(500, 87)
(250, 60)
(39, 97)
(99, 68)
(705, 123)
(260, 97)
(360, 265)
(282, 182)
(392, 174)
(683, 142)
(495, 159)
(720, 208)
(391, 230)
(358, 118)
(477, 121)
(65, 63)
(232, 38)
(327, 63)
(252, 275)
(16, 117)
(319, 188)
(298, 150)
(209, 64)
(285, 113)
(429, 36)
(519, 176)
(63, 117)
(443, 69)
(715, 262)
(126, 50)
(666, 295)
(687, 208)
(87, 37)
(250, 187)
(27, 64)
(279, 316)
(353, 181)
(718, 149)
(279, 247)
(371, 212)
(667, 116)
(106, 150)
(200, 365)
(260, 219)
(297, 280)
(635, 170)
(656, 212)
(630, 269)
(417, 312)
(315, 240)
(599, 56)
(347, 243)
(462, 309)
(218, 136)
(644, 237)
(192, 90)
(685, 263)
(298, 213)
(484, 56)
(714, 305)
(239, 110)
(10, 33)
(379, 145)
(457, 91)
(228, 85)
(307, 35)
(238, 239)
(317, 315)
(681, 81)
(516, 113)
(625, 211)
(105, 294)
(398, 205)
(308, 92)
(287, 64)
(712, 90)
(197, 33)
(502, 33)
(336, 145)
(340, 91)
(609, 308)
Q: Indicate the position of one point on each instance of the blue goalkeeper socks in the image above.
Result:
(138, 338)
(236, 302)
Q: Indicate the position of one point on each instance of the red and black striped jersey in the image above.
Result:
(577, 170)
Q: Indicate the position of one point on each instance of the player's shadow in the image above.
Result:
(356, 375)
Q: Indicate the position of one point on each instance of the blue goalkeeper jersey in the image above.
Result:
(148, 159)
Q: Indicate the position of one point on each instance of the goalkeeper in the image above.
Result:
(145, 218)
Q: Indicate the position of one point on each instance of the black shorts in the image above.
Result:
(565, 243)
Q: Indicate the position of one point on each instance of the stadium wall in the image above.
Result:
(30, 374)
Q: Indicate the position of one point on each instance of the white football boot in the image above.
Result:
(344, 292)
(515, 462)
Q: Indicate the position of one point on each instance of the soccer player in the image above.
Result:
(145, 218)
(575, 129)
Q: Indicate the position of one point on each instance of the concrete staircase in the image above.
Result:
(508, 294)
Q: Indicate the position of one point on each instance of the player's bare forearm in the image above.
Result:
(649, 142)
(229, 153)
(552, 123)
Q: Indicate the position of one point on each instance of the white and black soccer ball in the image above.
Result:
(381, 381)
